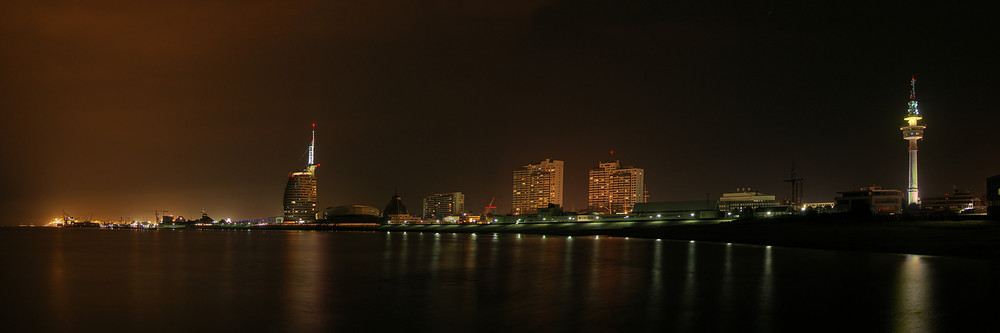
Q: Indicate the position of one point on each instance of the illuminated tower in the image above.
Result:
(913, 132)
(300, 191)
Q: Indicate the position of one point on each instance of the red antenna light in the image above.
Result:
(314, 124)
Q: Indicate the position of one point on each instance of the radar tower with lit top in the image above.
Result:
(912, 132)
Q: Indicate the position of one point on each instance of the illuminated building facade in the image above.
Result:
(444, 204)
(300, 191)
(957, 202)
(912, 132)
(872, 199)
(537, 186)
(745, 199)
(614, 189)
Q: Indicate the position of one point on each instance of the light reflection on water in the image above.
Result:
(913, 304)
(655, 291)
(305, 285)
(689, 310)
(322, 281)
(766, 291)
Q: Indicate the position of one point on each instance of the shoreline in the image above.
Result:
(966, 239)
(974, 239)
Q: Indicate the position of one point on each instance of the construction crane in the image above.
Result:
(156, 213)
(489, 210)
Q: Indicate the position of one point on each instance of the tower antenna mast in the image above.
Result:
(312, 145)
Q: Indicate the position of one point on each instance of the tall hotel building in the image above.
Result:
(444, 204)
(614, 189)
(537, 185)
(300, 191)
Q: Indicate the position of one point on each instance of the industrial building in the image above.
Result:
(615, 189)
(872, 199)
(537, 186)
(958, 202)
(745, 199)
(671, 210)
(695, 211)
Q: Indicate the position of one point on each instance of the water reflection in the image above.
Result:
(304, 282)
(336, 281)
(766, 298)
(655, 293)
(471, 258)
(913, 300)
(726, 298)
(57, 284)
(435, 256)
(686, 316)
(387, 252)
(597, 291)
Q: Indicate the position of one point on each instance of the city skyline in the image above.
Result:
(117, 111)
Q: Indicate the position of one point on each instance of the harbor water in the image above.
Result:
(305, 281)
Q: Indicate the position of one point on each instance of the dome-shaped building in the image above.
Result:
(350, 214)
(395, 211)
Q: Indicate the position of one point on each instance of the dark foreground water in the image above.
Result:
(189, 280)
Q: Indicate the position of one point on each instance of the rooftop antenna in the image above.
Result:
(312, 145)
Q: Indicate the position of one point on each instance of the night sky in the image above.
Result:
(115, 109)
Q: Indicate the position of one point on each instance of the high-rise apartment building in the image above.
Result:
(444, 204)
(537, 186)
(300, 191)
(615, 189)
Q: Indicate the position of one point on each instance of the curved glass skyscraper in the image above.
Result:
(300, 191)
